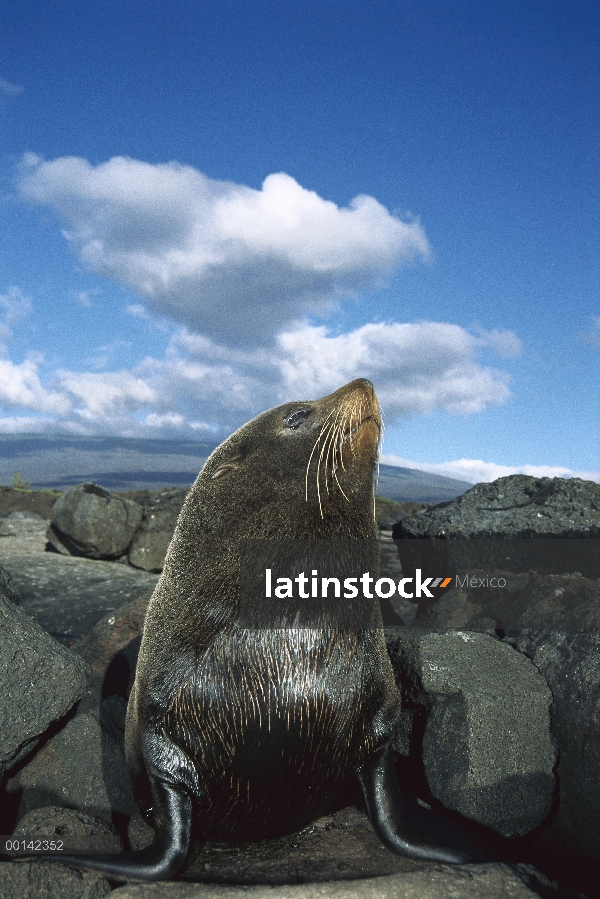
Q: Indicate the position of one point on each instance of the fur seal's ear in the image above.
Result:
(222, 470)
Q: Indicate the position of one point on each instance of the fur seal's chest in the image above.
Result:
(272, 729)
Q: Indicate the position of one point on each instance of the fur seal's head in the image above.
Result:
(303, 469)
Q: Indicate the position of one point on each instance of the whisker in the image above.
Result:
(335, 438)
(316, 443)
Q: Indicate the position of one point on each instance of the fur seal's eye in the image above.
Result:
(296, 418)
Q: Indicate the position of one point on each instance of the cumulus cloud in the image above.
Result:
(238, 271)
(107, 393)
(201, 385)
(20, 386)
(416, 368)
(228, 261)
(476, 471)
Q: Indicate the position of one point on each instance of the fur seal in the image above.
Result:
(244, 733)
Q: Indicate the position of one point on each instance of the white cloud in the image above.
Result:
(84, 297)
(14, 305)
(229, 261)
(199, 384)
(20, 387)
(138, 310)
(416, 368)
(476, 470)
(106, 393)
(505, 343)
(102, 356)
(9, 89)
(239, 270)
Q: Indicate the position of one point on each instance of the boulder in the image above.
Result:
(39, 682)
(90, 521)
(570, 663)
(516, 523)
(82, 765)
(487, 748)
(111, 650)
(554, 620)
(515, 506)
(67, 596)
(151, 541)
(506, 601)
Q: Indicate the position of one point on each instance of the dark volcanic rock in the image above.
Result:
(112, 648)
(494, 881)
(570, 663)
(470, 532)
(82, 765)
(340, 846)
(90, 521)
(8, 589)
(150, 543)
(67, 596)
(511, 507)
(39, 681)
(37, 879)
(487, 748)
(565, 602)
(531, 609)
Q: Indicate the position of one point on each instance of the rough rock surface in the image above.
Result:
(432, 882)
(92, 522)
(566, 602)
(37, 879)
(151, 540)
(82, 765)
(23, 531)
(515, 506)
(111, 650)
(39, 682)
(570, 663)
(67, 595)
(469, 532)
(487, 748)
(8, 589)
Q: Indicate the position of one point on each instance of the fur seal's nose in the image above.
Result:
(367, 383)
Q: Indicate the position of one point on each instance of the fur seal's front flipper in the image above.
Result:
(406, 827)
(172, 817)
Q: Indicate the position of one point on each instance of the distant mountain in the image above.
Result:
(124, 463)
(117, 463)
(404, 484)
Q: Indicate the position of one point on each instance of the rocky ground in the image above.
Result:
(74, 780)
(66, 595)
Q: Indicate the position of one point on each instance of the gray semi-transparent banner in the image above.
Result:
(59, 844)
(309, 584)
(547, 583)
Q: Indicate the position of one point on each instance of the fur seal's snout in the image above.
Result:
(241, 733)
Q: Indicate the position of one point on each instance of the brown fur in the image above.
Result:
(262, 726)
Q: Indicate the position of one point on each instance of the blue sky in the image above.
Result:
(209, 209)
